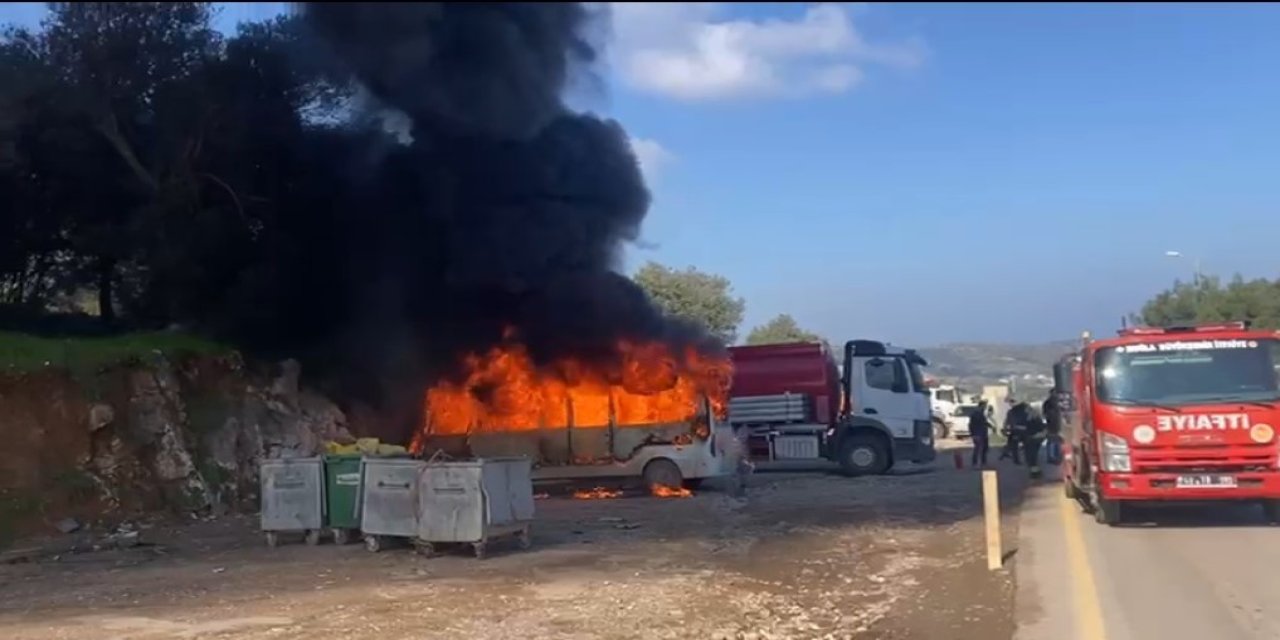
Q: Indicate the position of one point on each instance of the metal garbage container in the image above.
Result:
(292, 497)
(342, 495)
(474, 502)
(388, 500)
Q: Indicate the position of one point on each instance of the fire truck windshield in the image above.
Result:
(1181, 372)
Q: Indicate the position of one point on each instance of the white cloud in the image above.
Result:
(652, 157)
(691, 51)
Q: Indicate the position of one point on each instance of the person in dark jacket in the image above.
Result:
(1015, 425)
(1032, 437)
(980, 431)
(1053, 418)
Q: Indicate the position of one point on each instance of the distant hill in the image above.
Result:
(971, 365)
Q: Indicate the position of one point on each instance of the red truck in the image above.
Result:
(790, 402)
(1171, 414)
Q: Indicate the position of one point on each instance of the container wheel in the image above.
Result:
(480, 549)
(524, 538)
(341, 536)
(273, 539)
(1271, 511)
(313, 537)
(373, 543)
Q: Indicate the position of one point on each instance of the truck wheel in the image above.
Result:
(864, 456)
(1070, 490)
(1271, 511)
(662, 472)
(1108, 512)
(939, 430)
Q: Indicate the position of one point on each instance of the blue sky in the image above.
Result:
(935, 173)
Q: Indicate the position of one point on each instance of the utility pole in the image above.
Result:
(1195, 280)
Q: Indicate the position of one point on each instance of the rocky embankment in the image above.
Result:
(164, 434)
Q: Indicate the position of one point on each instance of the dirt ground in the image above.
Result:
(801, 556)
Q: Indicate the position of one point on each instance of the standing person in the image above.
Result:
(1052, 410)
(1032, 438)
(980, 432)
(1015, 424)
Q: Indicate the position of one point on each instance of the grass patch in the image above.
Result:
(23, 352)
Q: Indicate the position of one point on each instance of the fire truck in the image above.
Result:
(1171, 414)
(791, 403)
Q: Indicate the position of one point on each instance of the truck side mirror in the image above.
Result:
(1066, 401)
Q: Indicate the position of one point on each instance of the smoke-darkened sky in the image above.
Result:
(857, 197)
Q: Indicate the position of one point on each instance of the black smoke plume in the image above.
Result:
(506, 210)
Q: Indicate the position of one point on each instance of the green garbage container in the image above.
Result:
(342, 495)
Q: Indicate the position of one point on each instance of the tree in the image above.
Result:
(1208, 300)
(145, 159)
(702, 297)
(108, 138)
(781, 329)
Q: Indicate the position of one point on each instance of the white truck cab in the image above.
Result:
(888, 417)
(944, 399)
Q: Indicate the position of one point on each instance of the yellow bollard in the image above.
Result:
(991, 517)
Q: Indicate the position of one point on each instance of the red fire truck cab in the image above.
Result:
(1172, 414)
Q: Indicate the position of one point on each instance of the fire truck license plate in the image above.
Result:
(1207, 482)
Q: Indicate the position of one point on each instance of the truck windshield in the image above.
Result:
(917, 376)
(946, 395)
(1188, 372)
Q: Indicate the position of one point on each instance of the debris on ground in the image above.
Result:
(800, 556)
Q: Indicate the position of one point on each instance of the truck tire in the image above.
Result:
(1271, 511)
(1070, 490)
(662, 472)
(939, 430)
(1108, 512)
(864, 455)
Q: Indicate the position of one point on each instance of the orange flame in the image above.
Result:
(663, 491)
(503, 390)
(598, 493)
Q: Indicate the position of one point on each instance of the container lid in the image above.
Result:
(343, 456)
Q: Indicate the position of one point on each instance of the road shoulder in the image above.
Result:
(1044, 608)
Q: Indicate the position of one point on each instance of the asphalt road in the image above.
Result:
(1184, 573)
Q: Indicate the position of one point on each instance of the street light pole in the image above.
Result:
(1195, 280)
(1195, 265)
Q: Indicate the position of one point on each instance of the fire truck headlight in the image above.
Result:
(1262, 433)
(1115, 453)
(1144, 434)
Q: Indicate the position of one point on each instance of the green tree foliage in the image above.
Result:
(779, 330)
(144, 157)
(1209, 300)
(695, 295)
